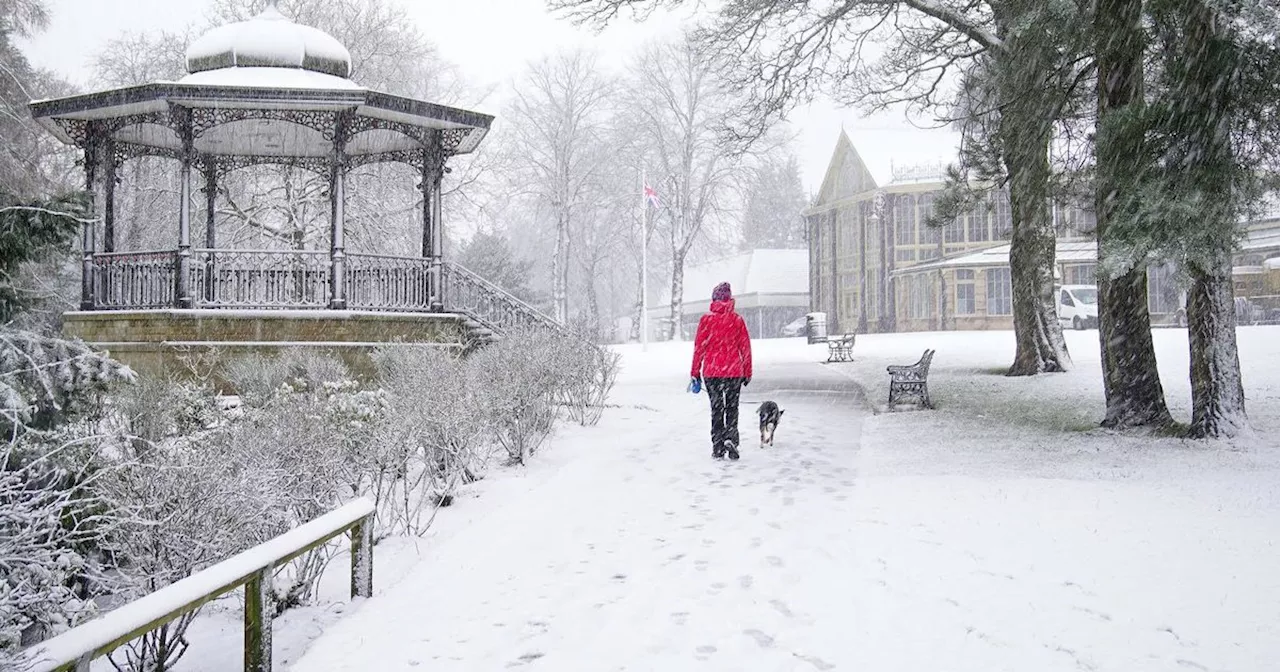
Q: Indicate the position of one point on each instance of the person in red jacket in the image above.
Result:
(722, 361)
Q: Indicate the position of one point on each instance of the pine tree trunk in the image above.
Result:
(1025, 129)
(677, 294)
(1131, 380)
(1038, 334)
(1217, 392)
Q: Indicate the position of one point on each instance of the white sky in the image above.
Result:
(491, 40)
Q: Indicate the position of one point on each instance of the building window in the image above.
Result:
(1081, 274)
(979, 231)
(1002, 223)
(965, 298)
(904, 220)
(953, 231)
(999, 292)
(1164, 296)
(918, 307)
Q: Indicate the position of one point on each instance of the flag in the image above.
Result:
(650, 195)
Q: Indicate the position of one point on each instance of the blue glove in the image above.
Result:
(695, 385)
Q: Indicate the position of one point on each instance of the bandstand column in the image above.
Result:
(182, 294)
(338, 213)
(210, 170)
(337, 244)
(94, 174)
(109, 165)
(432, 229)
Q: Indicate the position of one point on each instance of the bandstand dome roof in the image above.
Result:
(268, 40)
(264, 89)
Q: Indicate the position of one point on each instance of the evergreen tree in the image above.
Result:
(489, 255)
(773, 205)
(33, 232)
(1196, 152)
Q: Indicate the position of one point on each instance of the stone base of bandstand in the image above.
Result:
(183, 343)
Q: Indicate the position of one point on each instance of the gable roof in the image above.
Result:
(847, 173)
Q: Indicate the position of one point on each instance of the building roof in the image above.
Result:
(1068, 251)
(756, 272)
(264, 88)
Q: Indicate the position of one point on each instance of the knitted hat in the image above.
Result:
(722, 292)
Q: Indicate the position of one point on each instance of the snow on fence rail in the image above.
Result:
(73, 650)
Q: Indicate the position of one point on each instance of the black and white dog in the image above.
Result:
(770, 416)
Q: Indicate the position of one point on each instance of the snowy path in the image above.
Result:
(913, 541)
(641, 552)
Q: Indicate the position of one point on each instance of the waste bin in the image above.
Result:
(815, 325)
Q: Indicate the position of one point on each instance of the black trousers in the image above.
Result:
(724, 394)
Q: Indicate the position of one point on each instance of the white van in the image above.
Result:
(1078, 306)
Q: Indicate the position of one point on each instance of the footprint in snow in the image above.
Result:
(746, 581)
(782, 608)
(704, 652)
(816, 662)
(763, 640)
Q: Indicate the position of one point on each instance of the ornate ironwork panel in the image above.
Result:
(260, 278)
(361, 123)
(134, 280)
(381, 282)
(321, 121)
(225, 164)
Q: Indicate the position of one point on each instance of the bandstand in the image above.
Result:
(269, 91)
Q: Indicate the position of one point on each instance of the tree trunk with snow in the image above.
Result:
(1025, 129)
(677, 293)
(1037, 332)
(560, 267)
(1217, 391)
(1131, 380)
(1209, 84)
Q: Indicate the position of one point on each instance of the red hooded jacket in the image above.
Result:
(722, 347)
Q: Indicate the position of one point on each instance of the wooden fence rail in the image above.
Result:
(72, 651)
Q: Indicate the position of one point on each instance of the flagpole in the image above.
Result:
(644, 264)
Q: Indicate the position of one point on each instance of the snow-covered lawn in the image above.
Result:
(999, 532)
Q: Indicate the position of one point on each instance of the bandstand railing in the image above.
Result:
(489, 304)
(279, 279)
(135, 279)
(260, 278)
(383, 282)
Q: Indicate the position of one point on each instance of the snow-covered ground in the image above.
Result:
(998, 532)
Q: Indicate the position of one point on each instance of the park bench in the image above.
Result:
(910, 382)
(840, 348)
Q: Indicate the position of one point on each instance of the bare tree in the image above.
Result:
(681, 104)
(558, 118)
(784, 53)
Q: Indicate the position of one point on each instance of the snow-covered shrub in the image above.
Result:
(432, 439)
(158, 408)
(304, 443)
(257, 377)
(195, 504)
(49, 515)
(516, 380)
(584, 374)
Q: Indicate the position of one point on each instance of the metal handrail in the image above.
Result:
(504, 294)
(72, 651)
